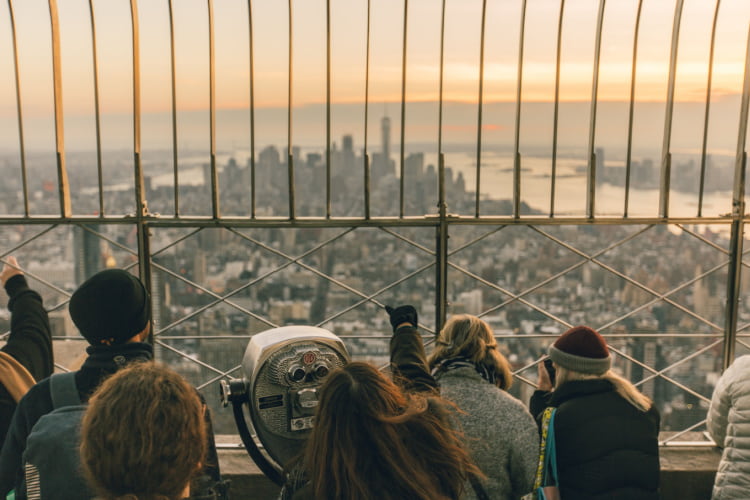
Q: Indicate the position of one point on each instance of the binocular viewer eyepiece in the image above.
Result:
(282, 370)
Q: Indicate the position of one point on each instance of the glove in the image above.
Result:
(402, 314)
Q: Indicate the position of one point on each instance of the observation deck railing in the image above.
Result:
(665, 286)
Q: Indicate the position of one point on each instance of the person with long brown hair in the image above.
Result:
(500, 432)
(376, 438)
(143, 436)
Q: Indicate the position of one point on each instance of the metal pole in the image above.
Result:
(441, 281)
(174, 112)
(144, 255)
(555, 119)
(480, 106)
(252, 107)
(215, 199)
(738, 216)
(516, 150)
(591, 188)
(629, 153)
(19, 110)
(97, 110)
(708, 108)
(290, 159)
(62, 173)
(666, 154)
(403, 109)
(365, 156)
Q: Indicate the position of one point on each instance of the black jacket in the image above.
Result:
(607, 449)
(102, 361)
(29, 342)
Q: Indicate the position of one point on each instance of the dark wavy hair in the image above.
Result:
(373, 441)
(143, 435)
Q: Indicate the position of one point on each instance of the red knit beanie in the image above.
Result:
(581, 349)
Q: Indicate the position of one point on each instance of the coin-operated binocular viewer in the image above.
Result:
(282, 371)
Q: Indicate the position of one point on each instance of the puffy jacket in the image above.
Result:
(607, 449)
(729, 425)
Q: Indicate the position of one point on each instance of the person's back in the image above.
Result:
(606, 432)
(729, 425)
(112, 311)
(499, 431)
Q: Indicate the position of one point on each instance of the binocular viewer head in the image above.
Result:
(282, 370)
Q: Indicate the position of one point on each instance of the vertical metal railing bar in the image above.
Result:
(144, 253)
(328, 109)
(290, 160)
(215, 200)
(480, 105)
(62, 173)
(441, 271)
(517, 140)
(19, 109)
(708, 108)
(555, 119)
(666, 154)
(629, 153)
(97, 114)
(173, 75)
(591, 188)
(403, 109)
(251, 64)
(734, 281)
(365, 155)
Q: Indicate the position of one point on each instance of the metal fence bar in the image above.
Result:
(290, 102)
(63, 187)
(403, 108)
(365, 154)
(591, 177)
(517, 139)
(708, 108)
(251, 65)
(666, 154)
(480, 106)
(19, 109)
(97, 113)
(441, 269)
(633, 74)
(328, 109)
(173, 74)
(215, 200)
(734, 279)
(555, 119)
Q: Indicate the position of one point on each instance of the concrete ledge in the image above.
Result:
(687, 473)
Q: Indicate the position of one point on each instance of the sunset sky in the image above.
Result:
(348, 53)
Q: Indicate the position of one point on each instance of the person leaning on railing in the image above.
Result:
(376, 439)
(500, 432)
(27, 355)
(606, 431)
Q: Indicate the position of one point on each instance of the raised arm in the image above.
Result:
(408, 358)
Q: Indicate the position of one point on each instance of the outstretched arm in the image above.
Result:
(30, 340)
(408, 358)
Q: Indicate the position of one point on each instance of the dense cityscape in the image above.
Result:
(218, 283)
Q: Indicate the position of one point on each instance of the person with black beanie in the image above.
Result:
(112, 311)
(27, 354)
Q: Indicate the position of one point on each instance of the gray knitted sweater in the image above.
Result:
(501, 433)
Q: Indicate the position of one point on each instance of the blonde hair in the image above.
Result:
(470, 337)
(624, 387)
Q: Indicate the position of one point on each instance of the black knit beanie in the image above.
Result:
(110, 307)
(581, 349)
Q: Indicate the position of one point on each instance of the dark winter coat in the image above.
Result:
(607, 449)
(102, 361)
(29, 342)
